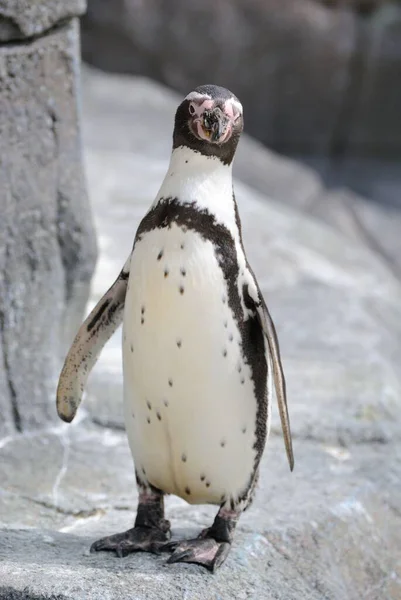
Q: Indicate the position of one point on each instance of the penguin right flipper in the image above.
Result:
(93, 334)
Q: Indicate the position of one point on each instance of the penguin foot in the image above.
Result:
(137, 539)
(206, 552)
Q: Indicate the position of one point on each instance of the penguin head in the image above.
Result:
(209, 121)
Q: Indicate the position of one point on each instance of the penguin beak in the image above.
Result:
(214, 125)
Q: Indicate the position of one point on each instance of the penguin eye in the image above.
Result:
(191, 109)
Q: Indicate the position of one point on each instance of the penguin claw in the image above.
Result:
(137, 539)
(179, 556)
(169, 547)
(206, 552)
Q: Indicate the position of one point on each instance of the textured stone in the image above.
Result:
(47, 243)
(23, 18)
(305, 536)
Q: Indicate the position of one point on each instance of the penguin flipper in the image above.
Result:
(269, 330)
(93, 334)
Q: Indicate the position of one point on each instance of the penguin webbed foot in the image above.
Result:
(137, 539)
(212, 546)
(206, 552)
(150, 532)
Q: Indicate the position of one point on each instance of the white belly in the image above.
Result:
(190, 408)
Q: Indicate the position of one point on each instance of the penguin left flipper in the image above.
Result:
(256, 303)
(93, 334)
(279, 380)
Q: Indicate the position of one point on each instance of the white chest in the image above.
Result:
(189, 398)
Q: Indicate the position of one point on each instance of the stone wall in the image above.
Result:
(314, 77)
(47, 241)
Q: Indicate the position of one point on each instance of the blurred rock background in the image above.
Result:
(320, 80)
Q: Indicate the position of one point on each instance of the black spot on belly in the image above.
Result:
(181, 289)
(223, 299)
(202, 477)
(165, 272)
(224, 352)
(148, 420)
(143, 471)
(244, 430)
(183, 272)
(165, 402)
(149, 405)
(239, 368)
(242, 380)
(160, 255)
(182, 246)
(179, 343)
(132, 348)
(223, 443)
(170, 382)
(207, 484)
(142, 310)
(184, 458)
(169, 211)
(159, 416)
(187, 491)
(142, 320)
(225, 324)
(230, 337)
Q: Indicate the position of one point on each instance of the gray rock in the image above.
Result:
(7, 423)
(376, 127)
(331, 529)
(305, 536)
(362, 6)
(21, 19)
(378, 227)
(47, 243)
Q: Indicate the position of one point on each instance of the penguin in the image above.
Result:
(200, 351)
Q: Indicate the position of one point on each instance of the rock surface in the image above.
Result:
(47, 242)
(21, 19)
(314, 77)
(331, 530)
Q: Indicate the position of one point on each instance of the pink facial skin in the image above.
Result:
(197, 109)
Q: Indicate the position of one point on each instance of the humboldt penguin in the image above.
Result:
(200, 351)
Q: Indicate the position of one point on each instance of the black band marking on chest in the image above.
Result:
(187, 216)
